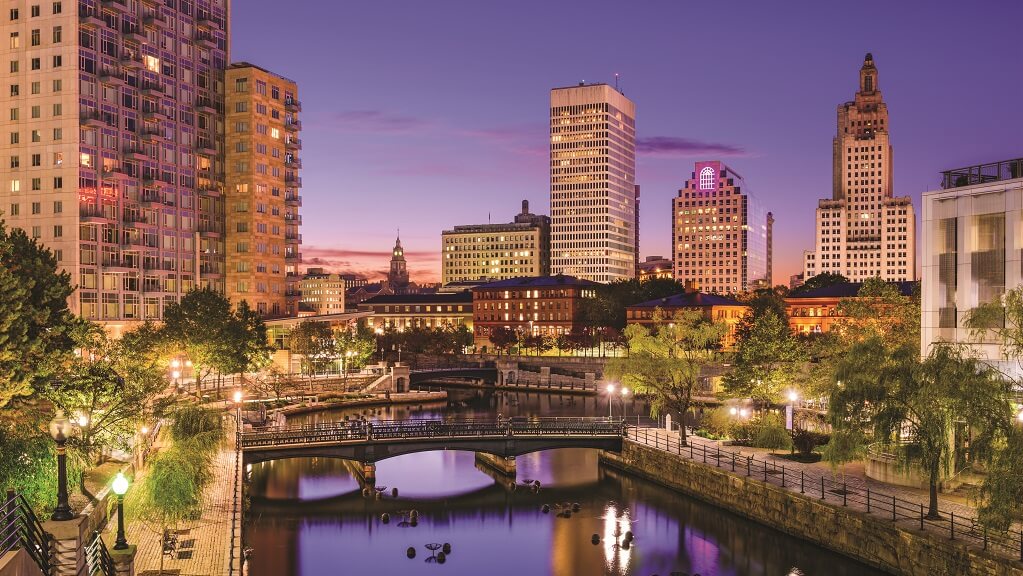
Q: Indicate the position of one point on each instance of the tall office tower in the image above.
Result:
(720, 232)
(863, 230)
(111, 155)
(263, 190)
(497, 251)
(593, 174)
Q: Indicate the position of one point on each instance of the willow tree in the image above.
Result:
(666, 360)
(910, 407)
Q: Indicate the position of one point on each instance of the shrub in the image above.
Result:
(770, 433)
(718, 421)
(203, 427)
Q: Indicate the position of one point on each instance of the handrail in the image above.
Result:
(97, 558)
(363, 431)
(1007, 543)
(20, 528)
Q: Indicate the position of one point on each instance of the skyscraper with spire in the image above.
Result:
(863, 230)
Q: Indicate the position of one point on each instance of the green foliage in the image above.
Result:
(1003, 320)
(503, 338)
(890, 393)
(607, 309)
(804, 441)
(822, 280)
(202, 427)
(35, 322)
(314, 341)
(171, 492)
(766, 358)
(666, 361)
(762, 301)
(718, 422)
(1001, 495)
(879, 310)
(444, 342)
(846, 445)
(28, 460)
(770, 432)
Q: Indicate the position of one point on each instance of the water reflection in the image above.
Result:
(308, 516)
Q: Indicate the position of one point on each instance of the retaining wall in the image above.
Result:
(871, 540)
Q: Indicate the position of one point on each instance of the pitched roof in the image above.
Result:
(537, 282)
(689, 300)
(851, 289)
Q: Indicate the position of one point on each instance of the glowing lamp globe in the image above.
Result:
(120, 484)
(60, 427)
(238, 396)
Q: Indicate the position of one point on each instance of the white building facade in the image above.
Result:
(971, 243)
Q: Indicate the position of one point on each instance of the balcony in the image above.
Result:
(114, 174)
(210, 191)
(94, 216)
(293, 219)
(292, 143)
(294, 125)
(295, 257)
(153, 114)
(151, 199)
(131, 62)
(205, 105)
(206, 146)
(206, 19)
(93, 120)
(294, 163)
(119, 265)
(292, 105)
(292, 238)
(154, 89)
(153, 135)
(90, 19)
(293, 181)
(205, 39)
(134, 34)
(293, 200)
(134, 153)
(208, 230)
(110, 75)
(152, 182)
(154, 20)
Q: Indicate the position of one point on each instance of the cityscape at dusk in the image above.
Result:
(441, 108)
(573, 288)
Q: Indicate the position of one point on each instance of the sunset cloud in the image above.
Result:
(674, 146)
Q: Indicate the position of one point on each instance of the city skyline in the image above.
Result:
(448, 122)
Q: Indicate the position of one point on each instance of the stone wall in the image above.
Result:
(870, 540)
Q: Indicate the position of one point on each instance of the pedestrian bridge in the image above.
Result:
(370, 442)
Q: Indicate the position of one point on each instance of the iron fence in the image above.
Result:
(21, 529)
(878, 503)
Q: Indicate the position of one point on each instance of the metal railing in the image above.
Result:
(97, 558)
(21, 529)
(362, 431)
(878, 503)
(236, 536)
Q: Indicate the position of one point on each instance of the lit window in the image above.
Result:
(707, 178)
(152, 63)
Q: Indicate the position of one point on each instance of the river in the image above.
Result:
(308, 516)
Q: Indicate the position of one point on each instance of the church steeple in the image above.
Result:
(397, 276)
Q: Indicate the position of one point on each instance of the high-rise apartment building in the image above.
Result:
(497, 251)
(322, 292)
(110, 154)
(593, 183)
(262, 144)
(863, 230)
(721, 234)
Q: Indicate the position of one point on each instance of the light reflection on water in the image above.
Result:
(308, 517)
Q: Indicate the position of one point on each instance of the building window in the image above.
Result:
(707, 178)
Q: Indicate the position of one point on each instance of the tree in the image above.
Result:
(1001, 496)
(537, 342)
(314, 341)
(200, 325)
(249, 348)
(766, 355)
(901, 400)
(112, 383)
(271, 383)
(503, 338)
(879, 310)
(822, 280)
(607, 309)
(666, 360)
(35, 323)
(763, 300)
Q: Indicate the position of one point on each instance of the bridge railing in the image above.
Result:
(362, 431)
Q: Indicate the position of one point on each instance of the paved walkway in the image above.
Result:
(204, 545)
(856, 482)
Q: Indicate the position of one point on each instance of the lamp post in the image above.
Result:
(398, 348)
(790, 409)
(625, 407)
(610, 394)
(60, 429)
(237, 397)
(120, 486)
(344, 366)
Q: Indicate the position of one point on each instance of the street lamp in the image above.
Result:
(60, 429)
(1019, 417)
(790, 409)
(120, 486)
(610, 394)
(625, 407)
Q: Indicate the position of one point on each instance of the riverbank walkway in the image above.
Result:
(204, 545)
(847, 486)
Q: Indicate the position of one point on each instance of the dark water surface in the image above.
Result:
(308, 515)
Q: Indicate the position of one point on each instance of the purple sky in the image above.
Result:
(424, 115)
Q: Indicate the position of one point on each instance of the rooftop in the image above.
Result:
(851, 289)
(463, 297)
(982, 173)
(537, 282)
(689, 300)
